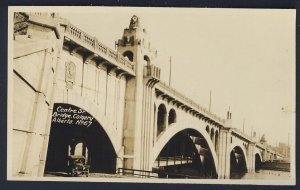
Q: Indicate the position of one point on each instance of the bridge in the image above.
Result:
(73, 95)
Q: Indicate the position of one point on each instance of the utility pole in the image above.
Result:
(170, 71)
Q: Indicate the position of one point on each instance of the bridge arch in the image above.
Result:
(237, 147)
(161, 118)
(75, 131)
(172, 116)
(147, 59)
(207, 129)
(129, 55)
(171, 132)
(256, 151)
(257, 159)
(92, 109)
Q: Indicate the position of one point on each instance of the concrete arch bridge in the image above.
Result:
(80, 97)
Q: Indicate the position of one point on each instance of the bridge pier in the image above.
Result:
(132, 123)
(251, 157)
(138, 119)
(224, 154)
(33, 94)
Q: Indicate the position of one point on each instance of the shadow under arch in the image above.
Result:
(92, 108)
(238, 160)
(70, 126)
(257, 161)
(198, 138)
(161, 118)
(172, 118)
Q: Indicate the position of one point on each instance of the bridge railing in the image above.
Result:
(267, 147)
(156, 173)
(43, 14)
(93, 42)
(137, 173)
(189, 102)
(240, 133)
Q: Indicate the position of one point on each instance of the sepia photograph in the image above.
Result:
(151, 95)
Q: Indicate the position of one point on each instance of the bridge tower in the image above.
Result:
(266, 154)
(138, 118)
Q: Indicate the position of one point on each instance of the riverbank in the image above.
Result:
(278, 166)
(262, 174)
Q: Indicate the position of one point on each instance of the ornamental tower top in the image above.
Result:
(135, 44)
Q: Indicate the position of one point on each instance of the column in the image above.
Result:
(251, 157)
(224, 154)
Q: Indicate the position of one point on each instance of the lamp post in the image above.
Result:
(288, 111)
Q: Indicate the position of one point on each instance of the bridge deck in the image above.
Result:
(94, 45)
(173, 93)
(84, 40)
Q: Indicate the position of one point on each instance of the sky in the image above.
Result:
(244, 57)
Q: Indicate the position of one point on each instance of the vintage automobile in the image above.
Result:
(77, 166)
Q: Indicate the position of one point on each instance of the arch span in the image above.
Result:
(172, 131)
(147, 59)
(129, 55)
(259, 154)
(207, 129)
(92, 109)
(75, 132)
(257, 159)
(161, 118)
(172, 117)
(239, 145)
